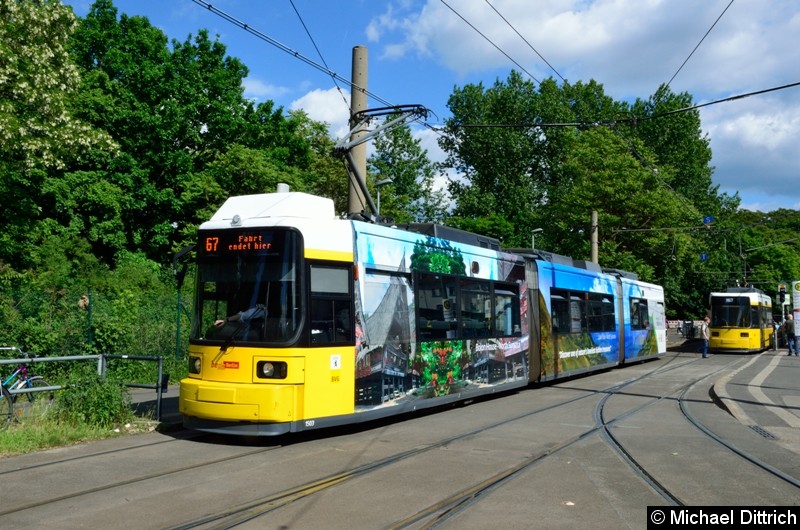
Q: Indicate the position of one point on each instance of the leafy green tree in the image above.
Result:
(548, 156)
(37, 81)
(497, 143)
(411, 196)
(764, 248)
(188, 136)
(678, 142)
(495, 162)
(39, 131)
(156, 104)
(325, 174)
(638, 217)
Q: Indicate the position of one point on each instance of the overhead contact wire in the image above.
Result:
(318, 52)
(553, 68)
(699, 43)
(490, 41)
(290, 51)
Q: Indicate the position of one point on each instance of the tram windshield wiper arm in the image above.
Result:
(231, 340)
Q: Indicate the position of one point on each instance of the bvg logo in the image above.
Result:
(226, 365)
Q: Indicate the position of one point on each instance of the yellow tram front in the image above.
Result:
(272, 342)
(741, 321)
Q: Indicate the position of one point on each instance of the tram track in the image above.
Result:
(183, 436)
(276, 500)
(438, 514)
(442, 509)
(733, 448)
(132, 480)
(683, 401)
(260, 507)
(273, 500)
(614, 442)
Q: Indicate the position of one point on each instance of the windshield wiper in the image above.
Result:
(230, 340)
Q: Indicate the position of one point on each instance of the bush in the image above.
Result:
(63, 308)
(94, 400)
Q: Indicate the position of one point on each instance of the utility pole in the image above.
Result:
(358, 102)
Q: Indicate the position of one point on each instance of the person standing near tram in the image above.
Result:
(705, 335)
(790, 330)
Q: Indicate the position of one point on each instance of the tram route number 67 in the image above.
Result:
(211, 244)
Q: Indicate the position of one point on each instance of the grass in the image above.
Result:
(88, 408)
(43, 430)
(44, 433)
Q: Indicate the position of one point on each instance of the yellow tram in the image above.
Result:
(741, 321)
(304, 320)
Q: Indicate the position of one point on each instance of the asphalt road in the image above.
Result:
(544, 457)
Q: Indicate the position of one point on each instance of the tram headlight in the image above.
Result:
(271, 370)
(194, 364)
(267, 369)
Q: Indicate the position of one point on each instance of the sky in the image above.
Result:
(418, 51)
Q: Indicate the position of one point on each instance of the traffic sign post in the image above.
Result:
(782, 300)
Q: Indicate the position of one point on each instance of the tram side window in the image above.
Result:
(601, 312)
(766, 316)
(449, 307)
(755, 317)
(331, 306)
(436, 309)
(506, 308)
(476, 308)
(610, 314)
(639, 315)
(559, 301)
(387, 296)
(660, 316)
(577, 312)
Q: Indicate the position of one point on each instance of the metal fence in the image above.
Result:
(160, 386)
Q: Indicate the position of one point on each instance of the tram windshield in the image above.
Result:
(733, 312)
(248, 287)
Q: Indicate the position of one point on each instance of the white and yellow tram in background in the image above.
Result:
(741, 321)
(304, 320)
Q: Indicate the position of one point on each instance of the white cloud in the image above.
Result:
(259, 90)
(753, 144)
(329, 106)
(631, 47)
(428, 140)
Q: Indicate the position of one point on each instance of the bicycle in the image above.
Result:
(18, 392)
